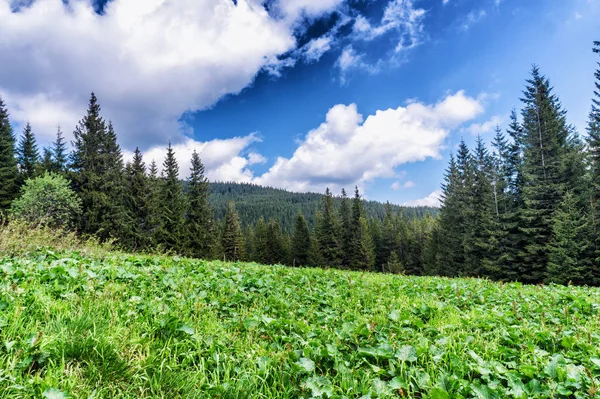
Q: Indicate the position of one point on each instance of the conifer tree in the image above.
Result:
(362, 248)
(393, 264)
(301, 242)
(260, 242)
(545, 138)
(154, 185)
(565, 258)
(450, 220)
(327, 239)
(8, 164)
(172, 205)
(47, 163)
(345, 230)
(276, 243)
(28, 155)
(593, 130)
(389, 236)
(199, 217)
(137, 198)
(59, 152)
(232, 241)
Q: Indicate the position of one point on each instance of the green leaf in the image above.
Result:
(407, 354)
(54, 393)
(186, 329)
(439, 393)
(306, 365)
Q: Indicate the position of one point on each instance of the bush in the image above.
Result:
(47, 201)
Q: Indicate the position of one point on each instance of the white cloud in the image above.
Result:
(472, 18)
(433, 199)
(346, 149)
(399, 16)
(224, 160)
(317, 47)
(148, 61)
(399, 185)
(485, 127)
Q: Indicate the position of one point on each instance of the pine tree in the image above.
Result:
(172, 206)
(199, 217)
(47, 163)
(260, 242)
(362, 248)
(232, 241)
(389, 237)
(545, 139)
(154, 186)
(275, 242)
(565, 257)
(28, 155)
(593, 129)
(137, 202)
(345, 230)
(326, 235)
(59, 152)
(393, 264)
(450, 221)
(8, 164)
(301, 242)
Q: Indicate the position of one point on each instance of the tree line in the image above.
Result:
(528, 209)
(144, 210)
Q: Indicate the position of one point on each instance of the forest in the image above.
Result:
(526, 208)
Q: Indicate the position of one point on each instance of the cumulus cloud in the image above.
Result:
(148, 61)
(485, 127)
(347, 149)
(224, 160)
(399, 185)
(433, 199)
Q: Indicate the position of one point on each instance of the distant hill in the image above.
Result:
(253, 201)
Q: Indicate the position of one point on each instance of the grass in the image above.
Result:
(86, 325)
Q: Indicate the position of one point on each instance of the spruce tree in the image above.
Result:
(565, 257)
(199, 217)
(276, 243)
(232, 241)
(345, 230)
(362, 248)
(172, 206)
(593, 130)
(450, 221)
(59, 152)
(28, 155)
(137, 202)
(545, 139)
(301, 242)
(154, 185)
(260, 242)
(47, 163)
(326, 234)
(8, 164)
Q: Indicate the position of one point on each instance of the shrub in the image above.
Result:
(47, 201)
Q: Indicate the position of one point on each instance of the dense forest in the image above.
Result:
(253, 202)
(527, 208)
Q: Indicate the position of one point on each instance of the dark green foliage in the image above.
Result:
(171, 206)
(565, 261)
(260, 243)
(59, 152)
(8, 164)
(301, 243)
(361, 248)
(96, 169)
(594, 161)
(28, 155)
(199, 218)
(137, 198)
(326, 233)
(345, 230)
(232, 241)
(545, 139)
(46, 162)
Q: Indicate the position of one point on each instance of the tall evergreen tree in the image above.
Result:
(59, 152)
(28, 155)
(594, 158)
(345, 230)
(232, 241)
(8, 163)
(326, 234)
(450, 220)
(47, 163)
(199, 217)
(137, 202)
(172, 206)
(276, 243)
(260, 242)
(565, 258)
(301, 242)
(362, 248)
(545, 139)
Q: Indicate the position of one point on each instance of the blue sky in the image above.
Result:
(299, 94)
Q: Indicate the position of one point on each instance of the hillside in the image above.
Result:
(122, 326)
(254, 201)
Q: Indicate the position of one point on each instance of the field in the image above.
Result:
(120, 326)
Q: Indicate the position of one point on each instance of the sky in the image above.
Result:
(296, 94)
